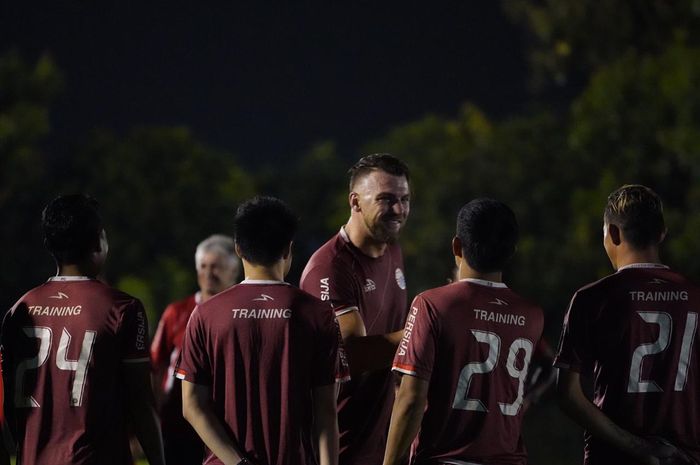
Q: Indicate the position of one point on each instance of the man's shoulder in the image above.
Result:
(333, 249)
(182, 305)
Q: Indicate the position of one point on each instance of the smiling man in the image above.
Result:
(360, 273)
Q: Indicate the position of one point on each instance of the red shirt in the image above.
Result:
(472, 340)
(636, 332)
(341, 274)
(262, 346)
(63, 347)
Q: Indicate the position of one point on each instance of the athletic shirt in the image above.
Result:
(636, 332)
(262, 346)
(340, 274)
(472, 341)
(64, 344)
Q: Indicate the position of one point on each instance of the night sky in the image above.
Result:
(266, 81)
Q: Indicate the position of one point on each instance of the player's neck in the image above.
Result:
(75, 269)
(629, 256)
(274, 272)
(465, 272)
(363, 240)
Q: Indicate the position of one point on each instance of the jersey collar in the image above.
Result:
(263, 281)
(483, 282)
(658, 266)
(69, 278)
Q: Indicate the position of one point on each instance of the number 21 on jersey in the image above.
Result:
(665, 322)
(461, 401)
(79, 366)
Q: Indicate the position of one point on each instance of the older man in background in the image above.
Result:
(218, 268)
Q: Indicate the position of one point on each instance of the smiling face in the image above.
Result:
(382, 200)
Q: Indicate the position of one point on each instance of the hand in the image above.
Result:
(663, 452)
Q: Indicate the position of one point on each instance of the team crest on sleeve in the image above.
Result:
(400, 279)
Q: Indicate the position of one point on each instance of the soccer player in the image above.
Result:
(218, 268)
(260, 360)
(636, 333)
(360, 273)
(75, 354)
(465, 354)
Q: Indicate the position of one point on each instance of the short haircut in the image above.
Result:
(71, 225)
(377, 161)
(219, 243)
(638, 212)
(264, 226)
(489, 234)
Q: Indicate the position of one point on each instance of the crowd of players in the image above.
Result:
(342, 370)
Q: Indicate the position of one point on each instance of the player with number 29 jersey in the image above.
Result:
(63, 344)
(476, 337)
(636, 332)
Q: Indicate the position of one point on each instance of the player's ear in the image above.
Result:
(287, 251)
(615, 234)
(663, 235)
(457, 247)
(354, 201)
(237, 248)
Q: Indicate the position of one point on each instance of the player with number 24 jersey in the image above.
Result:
(62, 346)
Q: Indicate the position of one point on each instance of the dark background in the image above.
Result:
(172, 114)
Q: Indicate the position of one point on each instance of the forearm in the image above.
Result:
(369, 353)
(601, 426)
(405, 423)
(212, 432)
(589, 416)
(146, 427)
(326, 425)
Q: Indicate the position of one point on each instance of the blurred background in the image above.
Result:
(171, 115)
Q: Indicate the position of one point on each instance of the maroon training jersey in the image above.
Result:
(636, 331)
(262, 346)
(63, 347)
(472, 340)
(341, 274)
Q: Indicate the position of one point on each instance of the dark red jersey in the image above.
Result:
(181, 443)
(636, 332)
(262, 346)
(64, 344)
(472, 340)
(341, 274)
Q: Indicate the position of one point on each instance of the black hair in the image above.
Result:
(71, 225)
(264, 226)
(638, 212)
(489, 234)
(377, 161)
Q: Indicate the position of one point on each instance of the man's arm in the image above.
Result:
(585, 413)
(326, 424)
(406, 418)
(366, 353)
(142, 412)
(196, 408)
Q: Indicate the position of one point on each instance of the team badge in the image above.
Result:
(400, 280)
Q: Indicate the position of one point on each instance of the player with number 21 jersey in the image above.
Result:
(636, 331)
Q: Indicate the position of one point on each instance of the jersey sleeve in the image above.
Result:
(415, 355)
(133, 333)
(332, 283)
(575, 351)
(193, 364)
(162, 345)
(330, 364)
